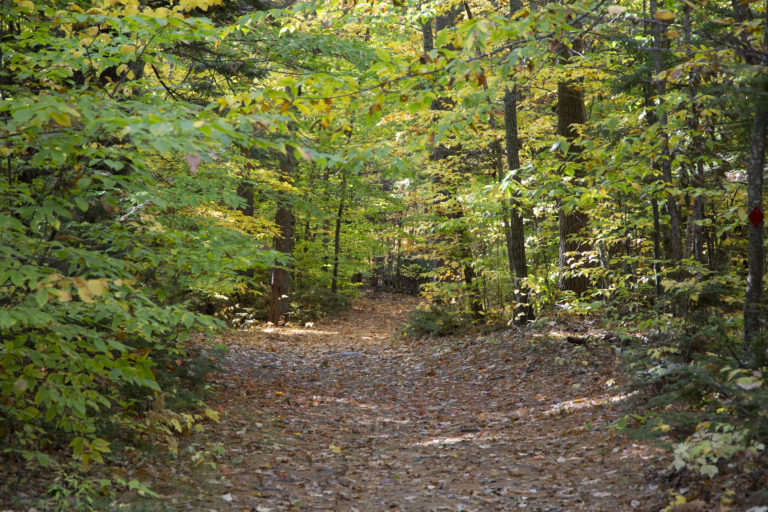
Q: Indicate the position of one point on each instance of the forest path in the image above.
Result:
(345, 415)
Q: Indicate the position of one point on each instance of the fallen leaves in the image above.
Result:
(346, 415)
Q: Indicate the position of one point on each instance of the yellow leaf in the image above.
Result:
(213, 415)
(61, 119)
(128, 49)
(64, 295)
(26, 6)
(664, 15)
(82, 289)
(97, 286)
(334, 448)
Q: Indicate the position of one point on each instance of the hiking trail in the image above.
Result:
(346, 415)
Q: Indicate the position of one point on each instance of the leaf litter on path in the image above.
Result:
(347, 415)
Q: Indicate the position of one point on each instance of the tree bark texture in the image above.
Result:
(755, 246)
(696, 151)
(514, 231)
(426, 34)
(741, 10)
(245, 191)
(658, 28)
(571, 112)
(281, 276)
(337, 234)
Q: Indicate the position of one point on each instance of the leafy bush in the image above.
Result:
(705, 391)
(702, 451)
(314, 302)
(436, 320)
(107, 233)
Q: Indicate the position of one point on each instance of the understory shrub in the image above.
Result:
(705, 390)
(314, 302)
(436, 320)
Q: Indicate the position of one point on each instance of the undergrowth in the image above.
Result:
(436, 320)
(703, 392)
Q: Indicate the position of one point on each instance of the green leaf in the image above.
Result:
(20, 386)
(81, 203)
(41, 297)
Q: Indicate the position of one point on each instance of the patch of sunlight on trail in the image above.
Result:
(586, 403)
(296, 331)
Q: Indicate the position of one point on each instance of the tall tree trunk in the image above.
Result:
(658, 30)
(656, 247)
(427, 37)
(651, 120)
(337, 234)
(514, 228)
(514, 231)
(571, 112)
(283, 243)
(696, 150)
(754, 293)
(245, 191)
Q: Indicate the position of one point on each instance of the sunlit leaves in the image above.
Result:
(664, 15)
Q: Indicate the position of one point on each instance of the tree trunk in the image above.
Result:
(283, 243)
(463, 251)
(658, 29)
(245, 191)
(572, 224)
(337, 234)
(514, 231)
(656, 247)
(696, 152)
(756, 250)
(741, 10)
(426, 33)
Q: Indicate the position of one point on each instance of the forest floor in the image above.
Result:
(345, 415)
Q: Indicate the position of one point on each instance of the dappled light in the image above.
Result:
(362, 417)
(584, 402)
(444, 255)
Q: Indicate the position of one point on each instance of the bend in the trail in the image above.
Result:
(346, 415)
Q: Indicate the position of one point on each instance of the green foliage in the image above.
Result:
(311, 303)
(703, 393)
(436, 320)
(709, 445)
(106, 233)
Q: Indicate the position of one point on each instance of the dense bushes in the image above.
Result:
(702, 392)
(109, 232)
(436, 320)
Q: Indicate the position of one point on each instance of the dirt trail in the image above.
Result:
(345, 415)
